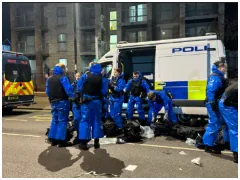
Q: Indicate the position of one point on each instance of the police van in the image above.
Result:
(17, 85)
(179, 66)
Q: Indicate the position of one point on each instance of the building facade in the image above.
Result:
(77, 33)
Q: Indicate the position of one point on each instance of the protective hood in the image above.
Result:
(96, 69)
(57, 70)
(215, 70)
(140, 76)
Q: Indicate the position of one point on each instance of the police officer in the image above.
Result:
(215, 88)
(76, 108)
(105, 113)
(156, 100)
(59, 90)
(228, 107)
(116, 87)
(91, 87)
(137, 87)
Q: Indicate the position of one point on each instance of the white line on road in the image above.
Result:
(41, 120)
(146, 145)
(26, 135)
(8, 119)
(173, 147)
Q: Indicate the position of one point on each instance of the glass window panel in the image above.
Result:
(166, 34)
(131, 36)
(132, 19)
(142, 18)
(113, 39)
(113, 25)
(112, 46)
(113, 15)
(142, 9)
(132, 11)
(62, 37)
(142, 36)
(64, 61)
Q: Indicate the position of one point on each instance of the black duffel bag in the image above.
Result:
(184, 132)
(132, 130)
(109, 128)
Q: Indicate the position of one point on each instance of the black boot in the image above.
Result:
(64, 144)
(83, 145)
(214, 149)
(235, 157)
(54, 142)
(76, 141)
(96, 143)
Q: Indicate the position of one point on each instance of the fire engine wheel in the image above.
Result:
(187, 119)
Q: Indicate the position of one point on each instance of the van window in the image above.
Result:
(18, 72)
(108, 68)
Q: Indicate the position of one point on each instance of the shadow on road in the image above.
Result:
(55, 159)
(101, 162)
(224, 156)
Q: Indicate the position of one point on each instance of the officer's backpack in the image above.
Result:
(184, 132)
(132, 130)
(109, 128)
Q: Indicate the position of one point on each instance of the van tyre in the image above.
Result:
(7, 110)
(185, 119)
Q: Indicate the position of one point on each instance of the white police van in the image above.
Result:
(180, 66)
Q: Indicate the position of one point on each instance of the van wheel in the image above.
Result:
(7, 110)
(187, 119)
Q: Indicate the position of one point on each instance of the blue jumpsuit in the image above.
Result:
(105, 100)
(116, 102)
(60, 109)
(155, 106)
(136, 99)
(215, 120)
(76, 110)
(91, 110)
(229, 111)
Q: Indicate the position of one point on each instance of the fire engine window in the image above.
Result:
(18, 72)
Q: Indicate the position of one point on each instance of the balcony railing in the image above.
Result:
(21, 21)
(24, 47)
(200, 12)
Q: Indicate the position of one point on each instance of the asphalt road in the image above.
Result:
(26, 155)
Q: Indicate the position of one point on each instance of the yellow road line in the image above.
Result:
(173, 147)
(8, 119)
(25, 135)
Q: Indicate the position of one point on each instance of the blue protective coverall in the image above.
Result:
(229, 113)
(76, 109)
(136, 99)
(91, 110)
(117, 99)
(155, 106)
(60, 109)
(215, 119)
(105, 99)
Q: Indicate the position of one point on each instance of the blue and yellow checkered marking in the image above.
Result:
(190, 90)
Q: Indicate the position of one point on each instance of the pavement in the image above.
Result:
(26, 155)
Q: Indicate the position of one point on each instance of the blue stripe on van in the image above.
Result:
(179, 89)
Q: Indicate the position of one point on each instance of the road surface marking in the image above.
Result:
(173, 147)
(8, 119)
(25, 135)
(146, 145)
(41, 120)
(131, 167)
(32, 110)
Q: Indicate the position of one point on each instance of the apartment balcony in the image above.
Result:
(23, 23)
(29, 50)
(136, 16)
(201, 14)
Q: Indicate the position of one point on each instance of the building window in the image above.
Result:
(62, 42)
(138, 13)
(113, 41)
(200, 29)
(113, 21)
(136, 36)
(61, 16)
(64, 61)
(200, 9)
(166, 34)
(166, 11)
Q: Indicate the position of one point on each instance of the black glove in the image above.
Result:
(214, 106)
